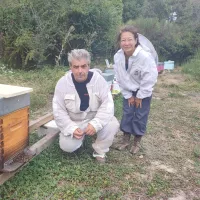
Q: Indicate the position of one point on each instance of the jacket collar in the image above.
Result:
(137, 50)
(135, 53)
(94, 78)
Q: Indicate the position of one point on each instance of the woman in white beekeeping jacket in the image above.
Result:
(136, 73)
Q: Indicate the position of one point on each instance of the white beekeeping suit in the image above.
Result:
(148, 46)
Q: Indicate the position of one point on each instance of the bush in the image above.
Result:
(132, 9)
(95, 26)
(193, 66)
(40, 32)
(171, 40)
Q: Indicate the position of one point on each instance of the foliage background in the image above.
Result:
(36, 33)
(33, 33)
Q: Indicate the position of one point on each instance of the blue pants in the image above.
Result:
(134, 120)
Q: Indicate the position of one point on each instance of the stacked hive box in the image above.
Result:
(169, 65)
(14, 119)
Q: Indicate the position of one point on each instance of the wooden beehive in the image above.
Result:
(14, 121)
(14, 133)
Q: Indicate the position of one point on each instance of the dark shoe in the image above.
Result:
(136, 145)
(124, 143)
(99, 158)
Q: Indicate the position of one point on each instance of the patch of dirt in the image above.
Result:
(173, 83)
(170, 78)
(157, 165)
(186, 195)
(22, 158)
(165, 80)
(180, 196)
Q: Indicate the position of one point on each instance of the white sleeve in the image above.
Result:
(106, 110)
(125, 93)
(62, 119)
(149, 76)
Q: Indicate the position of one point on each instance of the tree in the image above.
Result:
(155, 9)
(35, 32)
(170, 41)
(131, 9)
(95, 24)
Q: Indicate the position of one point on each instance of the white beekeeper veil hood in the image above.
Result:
(148, 46)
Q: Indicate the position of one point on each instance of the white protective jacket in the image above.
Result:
(141, 74)
(66, 104)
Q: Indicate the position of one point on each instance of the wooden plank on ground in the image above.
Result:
(5, 176)
(42, 144)
(34, 150)
(39, 122)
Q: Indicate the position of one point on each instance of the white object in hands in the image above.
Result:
(115, 87)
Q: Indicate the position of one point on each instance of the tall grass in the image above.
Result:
(43, 82)
(192, 67)
(118, 106)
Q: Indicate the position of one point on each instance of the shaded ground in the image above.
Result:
(167, 168)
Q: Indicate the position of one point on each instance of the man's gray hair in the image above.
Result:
(78, 54)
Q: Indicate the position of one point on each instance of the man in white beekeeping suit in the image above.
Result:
(83, 105)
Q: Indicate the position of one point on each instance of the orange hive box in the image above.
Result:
(14, 121)
(14, 133)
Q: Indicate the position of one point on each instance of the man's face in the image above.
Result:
(80, 69)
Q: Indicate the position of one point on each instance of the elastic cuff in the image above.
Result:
(95, 154)
(69, 130)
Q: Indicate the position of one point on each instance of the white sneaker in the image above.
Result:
(100, 158)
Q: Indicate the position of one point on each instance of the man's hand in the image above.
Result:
(90, 130)
(131, 101)
(138, 102)
(78, 133)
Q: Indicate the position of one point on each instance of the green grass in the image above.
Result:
(172, 139)
(175, 95)
(66, 176)
(197, 152)
(118, 106)
(192, 67)
(159, 183)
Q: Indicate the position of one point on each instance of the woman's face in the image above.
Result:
(127, 43)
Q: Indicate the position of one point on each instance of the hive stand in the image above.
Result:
(14, 119)
(46, 127)
(15, 151)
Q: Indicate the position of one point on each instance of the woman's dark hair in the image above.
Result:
(130, 29)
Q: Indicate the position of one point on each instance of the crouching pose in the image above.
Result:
(83, 105)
